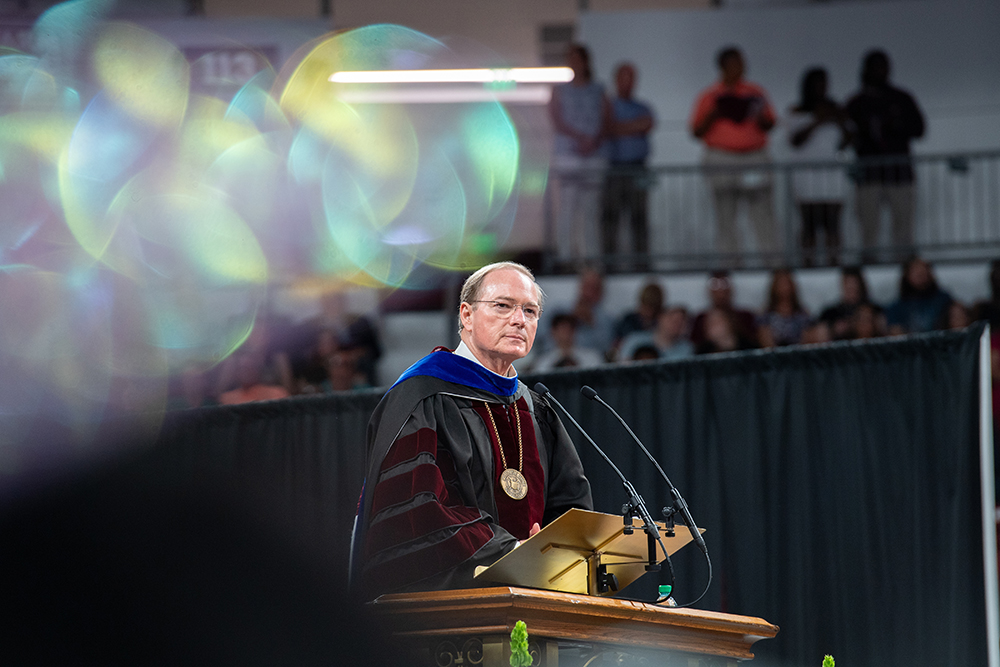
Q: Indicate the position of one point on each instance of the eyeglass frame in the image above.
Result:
(514, 307)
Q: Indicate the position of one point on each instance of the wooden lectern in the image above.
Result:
(471, 627)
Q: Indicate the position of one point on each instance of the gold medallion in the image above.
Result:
(514, 484)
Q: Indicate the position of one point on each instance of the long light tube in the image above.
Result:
(512, 75)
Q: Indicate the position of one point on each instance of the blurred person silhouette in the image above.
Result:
(645, 353)
(566, 353)
(251, 388)
(669, 337)
(853, 292)
(627, 183)
(651, 299)
(784, 320)
(886, 119)
(343, 373)
(956, 316)
(721, 334)
(580, 113)
(594, 327)
(818, 131)
(989, 309)
(191, 389)
(867, 321)
(335, 327)
(921, 305)
(732, 118)
(720, 296)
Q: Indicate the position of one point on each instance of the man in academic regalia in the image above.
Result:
(464, 461)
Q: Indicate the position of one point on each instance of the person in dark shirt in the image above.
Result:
(720, 294)
(839, 317)
(886, 119)
(921, 305)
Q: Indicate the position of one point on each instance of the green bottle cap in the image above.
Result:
(665, 590)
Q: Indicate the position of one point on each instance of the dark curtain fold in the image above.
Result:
(839, 485)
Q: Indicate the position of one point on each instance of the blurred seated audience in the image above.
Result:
(853, 292)
(989, 310)
(668, 338)
(342, 372)
(722, 334)
(785, 320)
(957, 316)
(249, 365)
(336, 328)
(645, 353)
(190, 389)
(269, 340)
(720, 294)
(921, 305)
(651, 300)
(868, 321)
(594, 327)
(566, 353)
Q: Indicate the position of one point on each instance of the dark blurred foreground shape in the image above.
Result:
(129, 565)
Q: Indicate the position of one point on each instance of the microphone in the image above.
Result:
(635, 499)
(679, 502)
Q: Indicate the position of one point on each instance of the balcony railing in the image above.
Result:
(956, 214)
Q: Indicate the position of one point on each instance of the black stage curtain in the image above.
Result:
(839, 485)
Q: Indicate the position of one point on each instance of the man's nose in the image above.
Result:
(517, 317)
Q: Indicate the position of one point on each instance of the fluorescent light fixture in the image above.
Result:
(514, 75)
(536, 94)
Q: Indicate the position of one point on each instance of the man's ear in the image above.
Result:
(465, 315)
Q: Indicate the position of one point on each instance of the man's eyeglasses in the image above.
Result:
(505, 309)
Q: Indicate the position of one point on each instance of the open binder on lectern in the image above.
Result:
(572, 553)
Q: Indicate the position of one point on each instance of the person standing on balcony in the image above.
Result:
(579, 111)
(818, 130)
(626, 185)
(886, 120)
(732, 118)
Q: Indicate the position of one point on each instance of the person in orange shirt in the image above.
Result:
(732, 118)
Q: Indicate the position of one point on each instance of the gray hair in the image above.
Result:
(473, 285)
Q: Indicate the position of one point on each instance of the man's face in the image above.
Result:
(720, 292)
(625, 81)
(492, 337)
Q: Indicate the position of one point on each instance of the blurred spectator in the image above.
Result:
(625, 187)
(268, 342)
(885, 119)
(868, 321)
(249, 364)
(645, 353)
(336, 328)
(721, 334)
(342, 372)
(669, 337)
(921, 304)
(853, 293)
(785, 320)
(732, 118)
(191, 390)
(311, 370)
(957, 316)
(720, 294)
(990, 310)
(651, 299)
(818, 131)
(594, 327)
(579, 111)
(566, 353)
